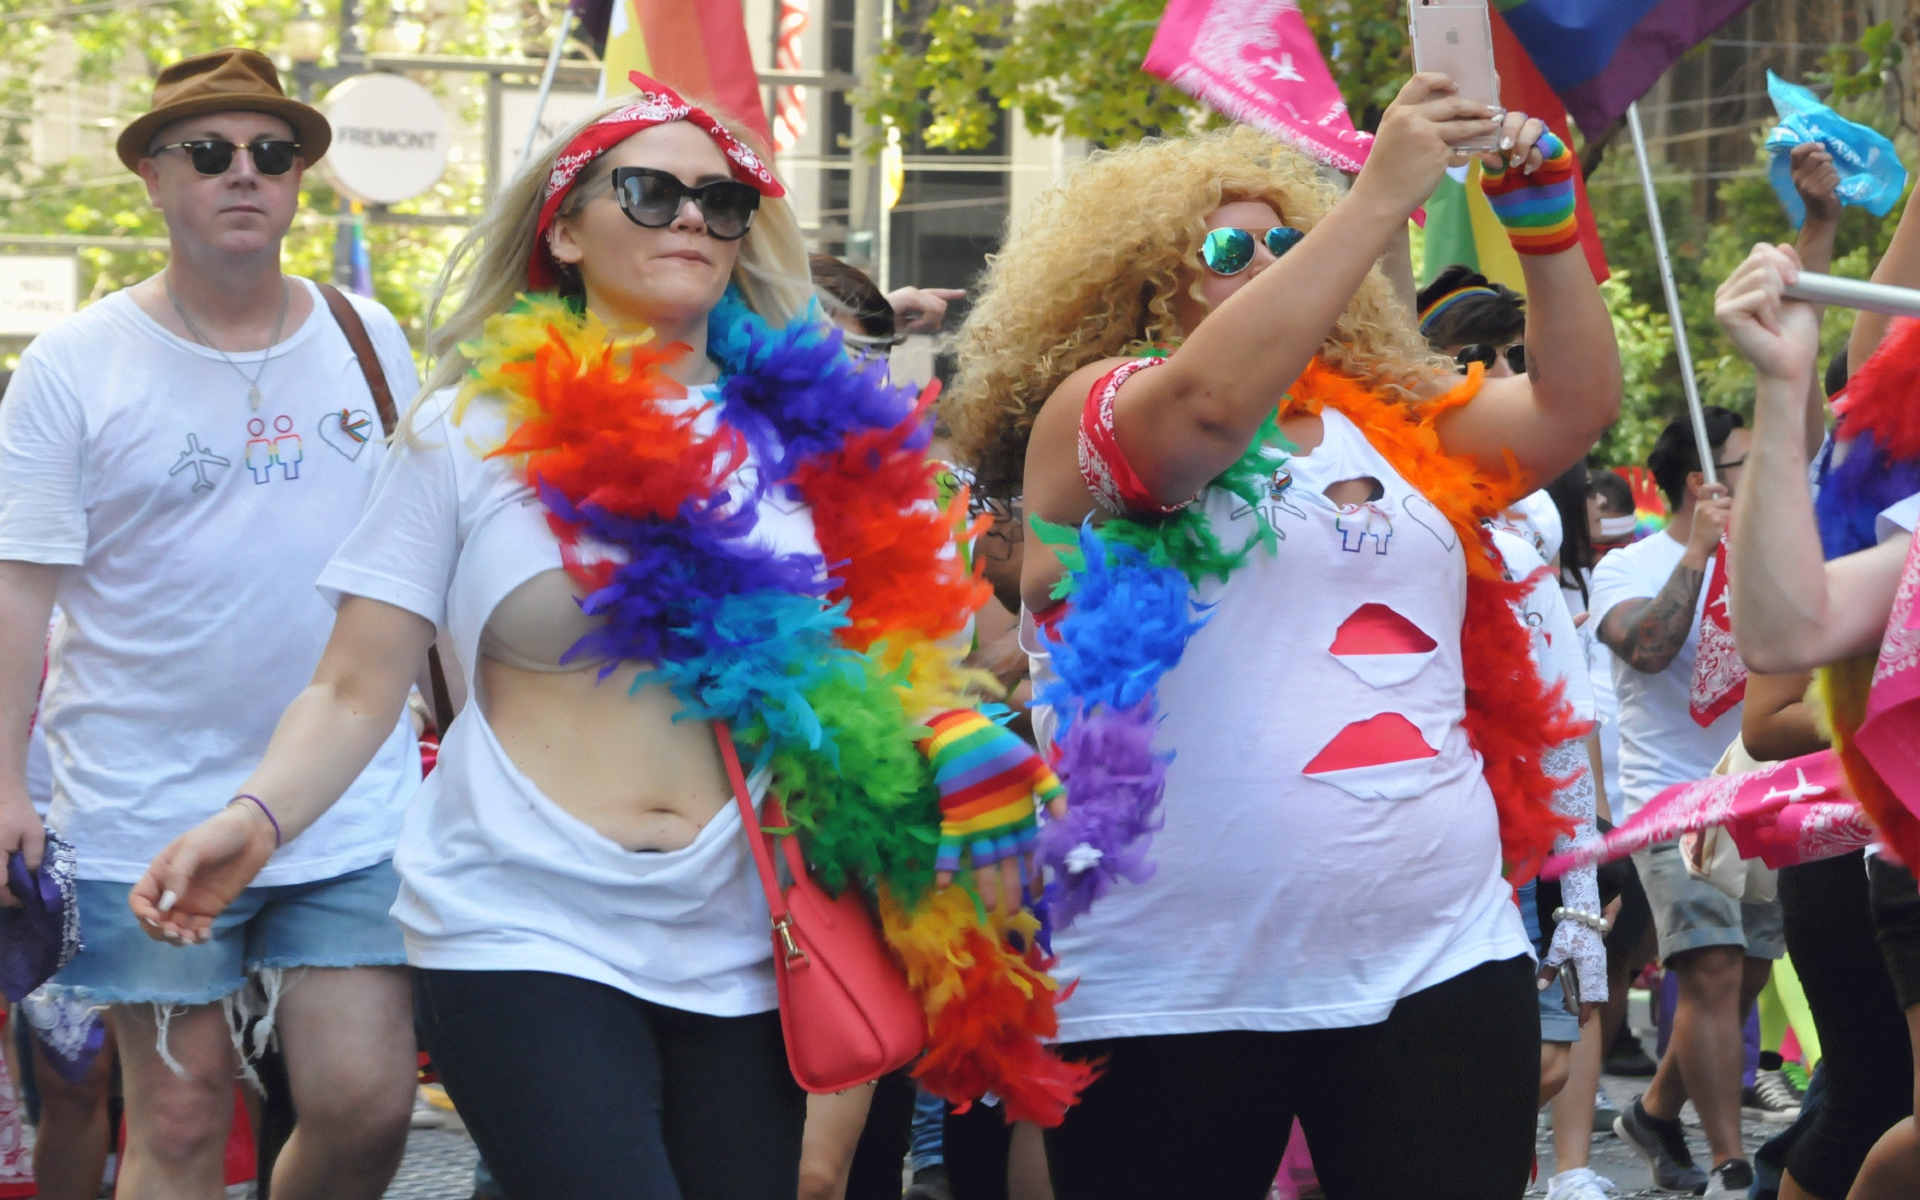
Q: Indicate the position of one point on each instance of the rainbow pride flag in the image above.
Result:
(1461, 228)
(697, 47)
(1602, 55)
(1649, 506)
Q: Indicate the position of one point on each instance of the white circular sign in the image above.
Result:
(390, 138)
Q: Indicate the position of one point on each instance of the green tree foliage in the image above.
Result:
(95, 197)
(1703, 252)
(1074, 66)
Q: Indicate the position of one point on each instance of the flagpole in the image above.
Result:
(1673, 299)
(546, 81)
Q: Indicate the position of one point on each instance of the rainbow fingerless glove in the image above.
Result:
(1536, 209)
(990, 784)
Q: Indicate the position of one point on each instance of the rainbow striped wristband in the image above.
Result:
(989, 782)
(1536, 209)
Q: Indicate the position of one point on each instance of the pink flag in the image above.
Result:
(1803, 832)
(1794, 811)
(1257, 62)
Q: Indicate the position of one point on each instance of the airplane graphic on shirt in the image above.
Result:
(199, 458)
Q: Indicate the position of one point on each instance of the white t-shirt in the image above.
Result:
(192, 528)
(1330, 842)
(493, 874)
(1898, 519)
(1660, 745)
(1556, 644)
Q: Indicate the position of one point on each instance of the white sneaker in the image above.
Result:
(1579, 1184)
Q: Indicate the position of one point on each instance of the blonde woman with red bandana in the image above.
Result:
(658, 513)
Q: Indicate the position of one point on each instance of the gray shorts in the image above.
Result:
(1691, 914)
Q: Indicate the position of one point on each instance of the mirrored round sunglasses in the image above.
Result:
(1230, 251)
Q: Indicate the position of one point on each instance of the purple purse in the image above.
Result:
(43, 933)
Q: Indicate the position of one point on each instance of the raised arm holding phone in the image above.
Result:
(1244, 376)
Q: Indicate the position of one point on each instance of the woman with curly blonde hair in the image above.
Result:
(1280, 576)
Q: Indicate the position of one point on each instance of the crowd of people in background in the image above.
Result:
(1192, 694)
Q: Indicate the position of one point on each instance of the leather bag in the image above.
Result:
(845, 1008)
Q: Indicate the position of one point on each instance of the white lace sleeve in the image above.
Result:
(1579, 889)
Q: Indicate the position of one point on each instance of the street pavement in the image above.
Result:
(438, 1166)
(1615, 1160)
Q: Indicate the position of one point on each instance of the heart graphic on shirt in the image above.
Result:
(347, 430)
(1423, 513)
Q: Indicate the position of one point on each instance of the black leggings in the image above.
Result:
(577, 1091)
(1863, 1032)
(1207, 1114)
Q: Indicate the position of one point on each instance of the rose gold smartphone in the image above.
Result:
(1457, 40)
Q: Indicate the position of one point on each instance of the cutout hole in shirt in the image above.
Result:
(1364, 489)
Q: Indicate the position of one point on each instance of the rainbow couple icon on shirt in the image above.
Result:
(284, 449)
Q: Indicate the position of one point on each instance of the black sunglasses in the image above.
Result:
(210, 156)
(652, 199)
(1488, 355)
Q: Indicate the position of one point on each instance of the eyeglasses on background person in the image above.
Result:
(1486, 356)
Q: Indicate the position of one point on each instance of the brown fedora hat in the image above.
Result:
(229, 80)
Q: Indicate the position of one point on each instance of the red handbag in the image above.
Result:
(845, 1008)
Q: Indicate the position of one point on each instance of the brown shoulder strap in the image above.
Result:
(356, 331)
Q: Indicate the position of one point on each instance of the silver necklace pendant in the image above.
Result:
(266, 356)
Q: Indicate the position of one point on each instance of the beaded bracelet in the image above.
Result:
(1592, 920)
(264, 809)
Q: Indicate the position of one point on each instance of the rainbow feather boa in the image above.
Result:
(819, 663)
(1131, 614)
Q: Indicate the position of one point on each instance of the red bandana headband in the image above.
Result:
(657, 104)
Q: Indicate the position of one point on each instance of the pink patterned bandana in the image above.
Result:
(1785, 813)
(657, 104)
(1719, 677)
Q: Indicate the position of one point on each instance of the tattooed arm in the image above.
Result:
(1646, 634)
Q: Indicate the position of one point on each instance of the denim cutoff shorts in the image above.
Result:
(1556, 1023)
(343, 921)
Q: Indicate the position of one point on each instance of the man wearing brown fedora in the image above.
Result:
(177, 462)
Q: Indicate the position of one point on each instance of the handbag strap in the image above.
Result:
(757, 837)
(356, 331)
